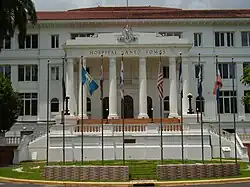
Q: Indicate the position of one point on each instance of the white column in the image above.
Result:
(112, 89)
(173, 87)
(70, 85)
(185, 78)
(143, 88)
(83, 97)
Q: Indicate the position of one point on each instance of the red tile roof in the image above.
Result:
(144, 12)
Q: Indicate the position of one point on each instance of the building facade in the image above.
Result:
(87, 37)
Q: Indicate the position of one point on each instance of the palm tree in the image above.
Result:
(15, 15)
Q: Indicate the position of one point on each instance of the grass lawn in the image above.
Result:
(138, 169)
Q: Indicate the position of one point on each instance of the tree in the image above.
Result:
(245, 79)
(10, 104)
(15, 15)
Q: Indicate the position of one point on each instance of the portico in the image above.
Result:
(141, 55)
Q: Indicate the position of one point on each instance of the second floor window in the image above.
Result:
(27, 73)
(55, 73)
(6, 71)
(197, 70)
(197, 39)
(245, 39)
(7, 43)
(31, 42)
(54, 41)
(224, 39)
(226, 70)
(166, 72)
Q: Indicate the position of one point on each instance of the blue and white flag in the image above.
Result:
(89, 81)
(122, 80)
(180, 77)
(199, 84)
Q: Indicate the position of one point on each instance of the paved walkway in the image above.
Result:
(218, 185)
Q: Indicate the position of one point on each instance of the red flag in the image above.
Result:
(160, 82)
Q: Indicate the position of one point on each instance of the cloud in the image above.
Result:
(185, 4)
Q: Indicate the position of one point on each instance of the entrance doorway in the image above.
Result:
(150, 107)
(128, 107)
(105, 107)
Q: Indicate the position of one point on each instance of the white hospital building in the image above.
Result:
(142, 35)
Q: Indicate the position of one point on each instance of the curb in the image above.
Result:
(130, 183)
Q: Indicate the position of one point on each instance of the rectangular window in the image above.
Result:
(226, 70)
(6, 71)
(224, 39)
(245, 39)
(29, 103)
(31, 42)
(75, 35)
(228, 102)
(197, 39)
(27, 73)
(247, 106)
(55, 73)
(165, 72)
(7, 43)
(197, 70)
(54, 41)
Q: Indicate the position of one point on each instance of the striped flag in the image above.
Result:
(180, 76)
(101, 80)
(122, 80)
(160, 81)
(217, 84)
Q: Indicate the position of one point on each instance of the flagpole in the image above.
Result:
(123, 125)
(63, 119)
(81, 111)
(101, 86)
(161, 126)
(218, 109)
(201, 107)
(182, 128)
(234, 117)
(48, 87)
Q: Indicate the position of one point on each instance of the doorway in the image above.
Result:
(128, 107)
(105, 107)
(150, 107)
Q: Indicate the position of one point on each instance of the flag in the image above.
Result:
(180, 76)
(160, 82)
(90, 83)
(199, 86)
(101, 80)
(122, 80)
(63, 83)
(217, 84)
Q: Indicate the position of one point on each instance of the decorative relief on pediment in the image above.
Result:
(127, 35)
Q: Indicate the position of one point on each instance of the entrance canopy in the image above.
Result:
(128, 44)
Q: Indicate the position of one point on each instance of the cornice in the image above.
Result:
(138, 22)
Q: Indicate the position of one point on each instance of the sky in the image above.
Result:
(185, 4)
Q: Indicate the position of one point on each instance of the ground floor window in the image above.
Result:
(247, 106)
(29, 102)
(228, 101)
(54, 105)
(200, 104)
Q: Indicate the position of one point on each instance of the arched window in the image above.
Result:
(88, 104)
(200, 104)
(54, 107)
(166, 103)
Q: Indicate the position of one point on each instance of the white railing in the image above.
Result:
(10, 140)
(128, 128)
(224, 134)
(245, 138)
